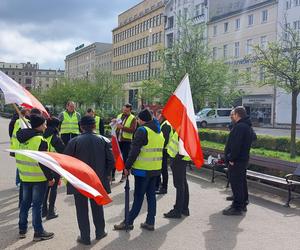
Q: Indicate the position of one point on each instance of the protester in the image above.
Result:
(144, 161)
(99, 122)
(94, 150)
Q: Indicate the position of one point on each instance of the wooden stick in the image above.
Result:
(20, 115)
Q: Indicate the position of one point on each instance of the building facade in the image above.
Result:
(86, 60)
(30, 76)
(234, 27)
(136, 44)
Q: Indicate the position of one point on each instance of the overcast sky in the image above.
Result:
(45, 31)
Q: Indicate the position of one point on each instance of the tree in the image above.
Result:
(280, 62)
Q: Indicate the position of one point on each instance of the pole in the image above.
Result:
(20, 115)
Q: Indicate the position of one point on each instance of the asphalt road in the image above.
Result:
(267, 224)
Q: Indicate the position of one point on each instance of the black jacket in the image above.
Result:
(11, 125)
(94, 150)
(166, 129)
(239, 141)
(24, 135)
(56, 142)
(139, 140)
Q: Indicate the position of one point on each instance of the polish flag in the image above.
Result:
(119, 163)
(75, 171)
(15, 93)
(179, 111)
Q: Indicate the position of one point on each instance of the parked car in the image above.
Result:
(213, 116)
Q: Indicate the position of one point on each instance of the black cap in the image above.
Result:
(87, 120)
(145, 115)
(36, 120)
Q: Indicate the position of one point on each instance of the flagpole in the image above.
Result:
(20, 115)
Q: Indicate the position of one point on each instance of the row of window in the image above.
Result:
(289, 3)
(136, 60)
(236, 48)
(142, 75)
(237, 22)
(139, 28)
(138, 44)
(261, 72)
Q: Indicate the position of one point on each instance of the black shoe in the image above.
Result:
(122, 226)
(147, 226)
(229, 198)
(244, 209)
(173, 214)
(161, 191)
(101, 236)
(185, 212)
(51, 216)
(232, 211)
(43, 236)
(83, 242)
(22, 234)
(44, 213)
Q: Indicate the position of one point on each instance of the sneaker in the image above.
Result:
(101, 236)
(22, 234)
(147, 226)
(161, 191)
(229, 198)
(43, 236)
(173, 214)
(232, 211)
(51, 216)
(83, 242)
(185, 212)
(122, 226)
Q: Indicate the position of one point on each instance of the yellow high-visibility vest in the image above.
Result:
(69, 124)
(173, 147)
(127, 135)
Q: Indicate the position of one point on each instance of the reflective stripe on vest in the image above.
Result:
(173, 147)
(127, 124)
(150, 157)
(14, 143)
(29, 169)
(69, 124)
(97, 120)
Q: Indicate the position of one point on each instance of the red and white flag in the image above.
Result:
(15, 93)
(119, 163)
(179, 111)
(75, 171)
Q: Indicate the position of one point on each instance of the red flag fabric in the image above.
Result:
(119, 163)
(179, 111)
(75, 171)
(15, 93)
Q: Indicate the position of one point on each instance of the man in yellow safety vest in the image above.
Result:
(99, 122)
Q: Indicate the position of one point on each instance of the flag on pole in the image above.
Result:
(179, 111)
(15, 93)
(119, 163)
(75, 171)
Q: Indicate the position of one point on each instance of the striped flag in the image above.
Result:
(119, 163)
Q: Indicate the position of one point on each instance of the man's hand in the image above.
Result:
(51, 183)
(126, 172)
(231, 163)
(119, 126)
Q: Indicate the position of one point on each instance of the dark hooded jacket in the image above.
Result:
(24, 135)
(239, 141)
(95, 151)
(56, 142)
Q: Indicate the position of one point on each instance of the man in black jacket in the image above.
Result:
(237, 156)
(94, 150)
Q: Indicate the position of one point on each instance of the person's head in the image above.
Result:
(25, 112)
(127, 109)
(35, 111)
(38, 122)
(53, 122)
(90, 112)
(144, 116)
(239, 113)
(70, 106)
(231, 115)
(159, 115)
(87, 123)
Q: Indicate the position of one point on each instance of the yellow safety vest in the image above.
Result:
(97, 120)
(127, 135)
(50, 148)
(29, 169)
(150, 157)
(69, 124)
(14, 143)
(173, 147)
(171, 130)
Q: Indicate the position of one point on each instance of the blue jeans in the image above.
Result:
(33, 193)
(142, 186)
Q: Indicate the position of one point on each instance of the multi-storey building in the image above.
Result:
(86, 60)
(234, 27)
(30, 75)
(194, 10)
(136, 44)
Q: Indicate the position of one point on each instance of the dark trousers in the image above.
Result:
(82, 212)
(178, 167)
(124, 147)
(67, 137)
(238, 183)
(164, 172)
(142, 186)
(51, 193)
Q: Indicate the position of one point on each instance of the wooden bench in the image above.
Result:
(289, 168)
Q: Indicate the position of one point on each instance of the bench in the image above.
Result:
(287, 181)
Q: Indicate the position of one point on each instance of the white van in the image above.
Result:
(213, 116)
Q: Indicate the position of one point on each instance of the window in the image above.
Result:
(264, 16)
(197, 10)
(261, 74)
(215, 30)
(211, 113)
(225, 51)
(185, 13)
(225, 27)
(297, 2)
(296, 24)
(288, 4)
(263, 42)
(215, 50)
(249, 47)
(250, 20)
(248, 70)
(236, 49)
(237, 24)
(171, 22)
(223, 112)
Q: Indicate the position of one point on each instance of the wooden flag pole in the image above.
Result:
(20, 115)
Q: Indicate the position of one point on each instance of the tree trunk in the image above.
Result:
(293, 124)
